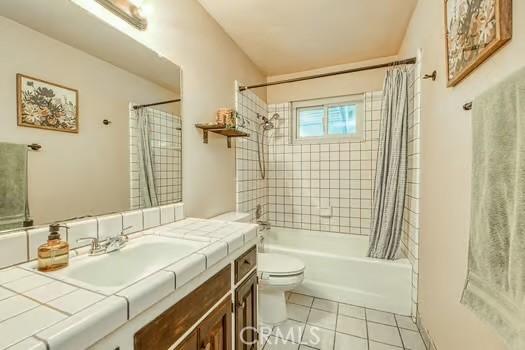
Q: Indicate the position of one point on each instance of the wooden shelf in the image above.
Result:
(220, 130)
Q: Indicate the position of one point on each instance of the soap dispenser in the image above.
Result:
(54, 254)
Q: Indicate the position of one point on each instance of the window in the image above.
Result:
(328, 120)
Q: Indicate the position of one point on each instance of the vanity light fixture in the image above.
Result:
(131, 11)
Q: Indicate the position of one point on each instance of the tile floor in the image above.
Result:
(318, 324)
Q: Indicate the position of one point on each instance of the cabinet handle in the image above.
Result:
(247, 262)
(242, 305)
(206, 347)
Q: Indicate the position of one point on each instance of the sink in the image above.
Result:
(141, 257)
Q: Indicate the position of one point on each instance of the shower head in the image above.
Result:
(267, 125)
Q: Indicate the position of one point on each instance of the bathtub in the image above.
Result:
(337, 269)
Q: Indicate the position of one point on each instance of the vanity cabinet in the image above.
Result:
(246, 314)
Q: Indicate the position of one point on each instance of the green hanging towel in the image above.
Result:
(13, 185)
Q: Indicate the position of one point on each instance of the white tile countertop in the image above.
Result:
(48, 311)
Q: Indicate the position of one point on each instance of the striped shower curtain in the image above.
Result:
(148, 192)
(391, 169)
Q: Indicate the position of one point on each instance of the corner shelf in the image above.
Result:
(220, 130)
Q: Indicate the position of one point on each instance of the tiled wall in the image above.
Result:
(21, 246)
(166, 133)
(303, 178)
(410, 238)
(251, 189)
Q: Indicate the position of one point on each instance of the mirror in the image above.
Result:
(101, 111)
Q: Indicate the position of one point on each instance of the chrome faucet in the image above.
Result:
(110, 245)
(264, 225)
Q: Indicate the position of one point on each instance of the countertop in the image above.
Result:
(40, 311)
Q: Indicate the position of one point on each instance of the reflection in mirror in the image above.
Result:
(100, 111)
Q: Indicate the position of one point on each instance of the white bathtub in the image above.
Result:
(337, 269)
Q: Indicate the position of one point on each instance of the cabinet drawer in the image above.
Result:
(245, 263)
(166, 329)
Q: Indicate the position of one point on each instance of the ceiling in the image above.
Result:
(289, 36)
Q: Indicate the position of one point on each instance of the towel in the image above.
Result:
(13, 185)
(495, 284)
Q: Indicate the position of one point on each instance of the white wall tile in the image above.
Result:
(13, 248)
(109, 226)
(151, 217)
(132, 221)
(167, 214)
(81, 229)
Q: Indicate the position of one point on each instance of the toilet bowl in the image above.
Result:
(278, 274)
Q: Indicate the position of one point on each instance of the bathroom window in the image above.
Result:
(328, 120)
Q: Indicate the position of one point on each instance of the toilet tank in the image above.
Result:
(235, 216)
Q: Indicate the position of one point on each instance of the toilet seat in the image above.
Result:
(279, 266)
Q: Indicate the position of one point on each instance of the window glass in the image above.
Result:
(342, 119)
(310, 121)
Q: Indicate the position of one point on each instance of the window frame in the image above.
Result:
(326, 103)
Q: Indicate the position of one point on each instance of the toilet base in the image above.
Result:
(272, 307)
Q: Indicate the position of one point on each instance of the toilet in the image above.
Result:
(278, 274)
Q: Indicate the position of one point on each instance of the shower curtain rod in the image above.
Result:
(323, 75)
(156, 103)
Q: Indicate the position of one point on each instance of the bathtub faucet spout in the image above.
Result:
(264, 225)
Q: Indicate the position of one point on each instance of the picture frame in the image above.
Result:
(475, 30)
(45, 105)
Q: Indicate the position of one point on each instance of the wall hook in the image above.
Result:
(432, 76)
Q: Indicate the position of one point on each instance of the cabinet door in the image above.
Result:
(216, 330)
(246, 314)
(191, 343)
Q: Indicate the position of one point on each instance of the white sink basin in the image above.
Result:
(114, 271)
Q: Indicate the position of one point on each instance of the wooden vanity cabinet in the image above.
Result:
(215, 332)
(246, 314)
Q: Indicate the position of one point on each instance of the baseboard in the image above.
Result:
(425, 334)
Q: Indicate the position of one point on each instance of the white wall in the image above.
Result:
(446, 170)
(182, 31)
(73, 174)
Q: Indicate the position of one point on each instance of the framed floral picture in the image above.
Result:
(44, 105)
(475, 30)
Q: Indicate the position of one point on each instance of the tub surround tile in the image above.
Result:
(322, 319)
(300, 299)
(101, 319)
(132, 221)
(151, 217)
(351, 326)
(348, 342)
(74, 302)
(13, 248)
(26, 324)
(380, 317)
(384, 334)
(81, 229)
(147, 292)
(352, 311)
(109, 226)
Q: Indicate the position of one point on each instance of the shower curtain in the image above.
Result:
(391, 170)
(148, 191)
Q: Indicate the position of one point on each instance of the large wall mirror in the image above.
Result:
(90, 119)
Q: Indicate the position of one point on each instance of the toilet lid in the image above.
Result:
(278, 264)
